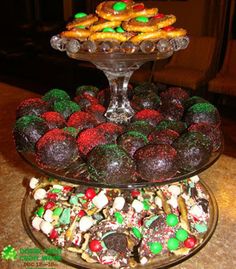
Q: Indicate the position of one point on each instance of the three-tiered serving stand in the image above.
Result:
(118, 62)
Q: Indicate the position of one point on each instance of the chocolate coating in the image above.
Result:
(27, 131)
(117, 242)
(132, 141)
(146, 101)
(54, 120)
(56, 149)
(177, 126)
(193, 100)
(140, 126)
(194, 149)
(165, 136)
(55, 95)
(111, 164)
(156, 162)
(32, 106)
(88, 89)
(172, 111)
(82, 120)
(174, 95)
(151, 116)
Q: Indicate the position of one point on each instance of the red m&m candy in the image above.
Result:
(190, 242)
(95, 245)
(138, 7)
(81, 213)
(49, 205)
(90, 193)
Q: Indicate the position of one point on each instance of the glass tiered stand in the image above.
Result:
(118, 63)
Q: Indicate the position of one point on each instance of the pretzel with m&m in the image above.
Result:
(151, 36)
(82, 20)
(138, 9)
(102, 24)
(115, 10)
(172, 32)
(144, 24)
(77, 33)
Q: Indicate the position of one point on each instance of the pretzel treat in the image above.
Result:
(82, 19)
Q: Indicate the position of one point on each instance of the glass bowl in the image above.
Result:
(72, 259)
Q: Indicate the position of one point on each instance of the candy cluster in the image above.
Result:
(121, 26)
(107, 225)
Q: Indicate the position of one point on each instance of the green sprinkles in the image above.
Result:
(202, 108)
(138, 135)
(80, 15)
(25, 121)
(56, 95)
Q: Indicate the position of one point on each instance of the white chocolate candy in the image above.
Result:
(85, 223)
(46, 227)
(36, 222)
(196, 211)
(137, 205)
(33, 182)
(195, 179)
(119, 203)
(174, 190)
(40, 194)
(144, 260)
(48, 215)
(100, 200)
(173, 202)
(158, 201)
(57, 186)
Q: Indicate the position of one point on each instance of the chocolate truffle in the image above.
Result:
(193, 100)
(177, 126)
(54, 120)
(213, 132)
(140, 126)
(56, 150)
(32, 106)
(194, 150)
(87, 89)
(131, 141)
(202, 112)
(153, 117)
(111, 130)
(111, 164)
(146, 101)
(144, 88)
(55, 95)
(172, 111)
(97, 111)
(82, 120)
(156, 162)
(85, 100)
(66, 108)
(174, 95)
(90, 138)
(27, 132)
(72, 131)
(166, 136)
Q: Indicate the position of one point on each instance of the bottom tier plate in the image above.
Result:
(159, 261)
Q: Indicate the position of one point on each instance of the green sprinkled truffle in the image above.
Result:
(88, 89)
(25, 121)
(66, 108)
(56, 95)
(138, 135)
(72, 131)
(202, 107)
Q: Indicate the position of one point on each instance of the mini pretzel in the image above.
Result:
(172, 32)
(144, 24)
(140, 10)
(108, 36)
(76, 33)
(152, 36)
(85, 21)
(114, 11)
(101, 24)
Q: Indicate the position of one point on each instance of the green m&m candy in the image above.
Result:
(173, 244)
(118, 217)
(136, 232)
(119, 6)
(108, 30)
(40, 211)
(181, 235)
(80, 27)
(80, 15)
(172, 220)
(120, 30)
(155, 247)
(142, 19)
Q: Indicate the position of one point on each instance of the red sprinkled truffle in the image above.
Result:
(82, 120)
(54, 120)
(151, 116)
(111, 130)
(165, 136)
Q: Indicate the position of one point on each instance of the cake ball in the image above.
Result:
(174, 95)
(56, 150)
(102, 97)
(132, 141)
(156, 162)
(194, 149)
(172, 111)
(32, 106)
(72, 131)
(54, 120)
(148, 100)
(55, 95)
(111, 130)
(90, 138)
(111, 164)
(213, 132)
(202, 112)
(140, 126)
(66, 108)
(27, 131)
(166, 136)
(97, 111)
(177, 126)
(193, 100)
(153, 117)
(85, 100)
(144, 88)
(82, 120)
(87, 89)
